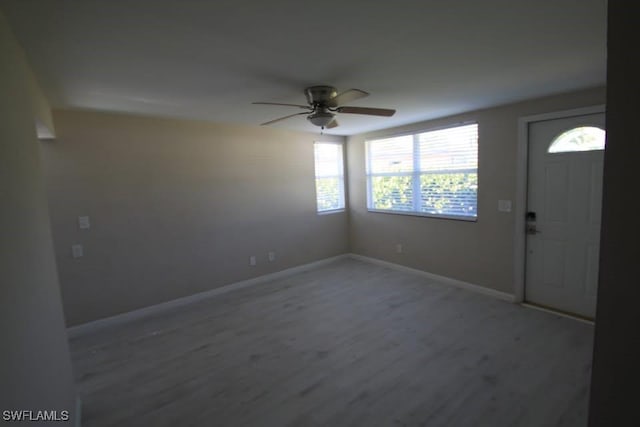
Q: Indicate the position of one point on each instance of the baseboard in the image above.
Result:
(93, 326)
(78, 414)
(437, 278)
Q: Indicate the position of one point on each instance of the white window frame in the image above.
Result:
(340, 176)
(415, 173)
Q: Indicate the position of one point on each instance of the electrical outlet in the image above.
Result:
(399, 248)
(252, 260)
(77, 251)
(504, 205)
(272, 256)
(83, 223)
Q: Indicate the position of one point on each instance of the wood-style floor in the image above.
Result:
(346, 344)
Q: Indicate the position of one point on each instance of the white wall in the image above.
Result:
(177, 207)
(35, 366)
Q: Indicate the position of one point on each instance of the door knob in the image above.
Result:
(532, 229)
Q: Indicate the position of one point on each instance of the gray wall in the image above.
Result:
(35, 367)
(177, 207)
(479, 252)
(616, 368)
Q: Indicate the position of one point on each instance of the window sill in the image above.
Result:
(332, 211)
(426, 215)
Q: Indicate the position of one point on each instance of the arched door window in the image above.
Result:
(585, 138)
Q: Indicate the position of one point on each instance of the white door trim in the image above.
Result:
(519, 240)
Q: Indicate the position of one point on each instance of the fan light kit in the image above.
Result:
(321, 118)
(324, 102)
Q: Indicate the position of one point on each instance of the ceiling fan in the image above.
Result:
(323, 104)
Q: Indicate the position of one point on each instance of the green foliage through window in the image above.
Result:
(452, 193)
(392, 192)
(328, 193)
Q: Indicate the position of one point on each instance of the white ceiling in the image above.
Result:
(210, 59)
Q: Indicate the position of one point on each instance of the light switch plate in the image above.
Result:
(83, 222)
(504, 205)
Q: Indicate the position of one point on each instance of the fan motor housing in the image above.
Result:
(320, 95)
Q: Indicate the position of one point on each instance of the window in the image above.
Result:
(586, 138)
(329, 176)
(433, 173)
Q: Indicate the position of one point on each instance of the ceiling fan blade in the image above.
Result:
(281, 118)
(346, 96)
(306, 107)
(368, 111)
(332, 124)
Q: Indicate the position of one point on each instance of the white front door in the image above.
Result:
(563, 213)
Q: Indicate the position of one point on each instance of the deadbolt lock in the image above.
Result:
(532, 229)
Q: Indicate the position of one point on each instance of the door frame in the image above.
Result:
(522, 175)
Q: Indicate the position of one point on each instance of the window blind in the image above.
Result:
(433, 173)
(329, 176)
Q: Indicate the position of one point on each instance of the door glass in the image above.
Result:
(584, 138)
